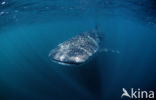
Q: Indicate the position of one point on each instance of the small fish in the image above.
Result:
(78, 49)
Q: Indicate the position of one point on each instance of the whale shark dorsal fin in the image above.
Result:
(96, 27)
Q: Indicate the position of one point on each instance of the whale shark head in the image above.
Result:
(67, 55)
(76, 50)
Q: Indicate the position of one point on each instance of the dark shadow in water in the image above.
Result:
(88, 76)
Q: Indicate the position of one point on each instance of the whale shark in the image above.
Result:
(77, 50)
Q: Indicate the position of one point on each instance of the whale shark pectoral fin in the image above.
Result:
(103, 50)
(106, 50)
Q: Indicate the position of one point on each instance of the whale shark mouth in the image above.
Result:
(65, 63)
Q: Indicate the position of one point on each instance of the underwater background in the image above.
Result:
(29, 29)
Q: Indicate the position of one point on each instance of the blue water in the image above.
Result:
(29, 29)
